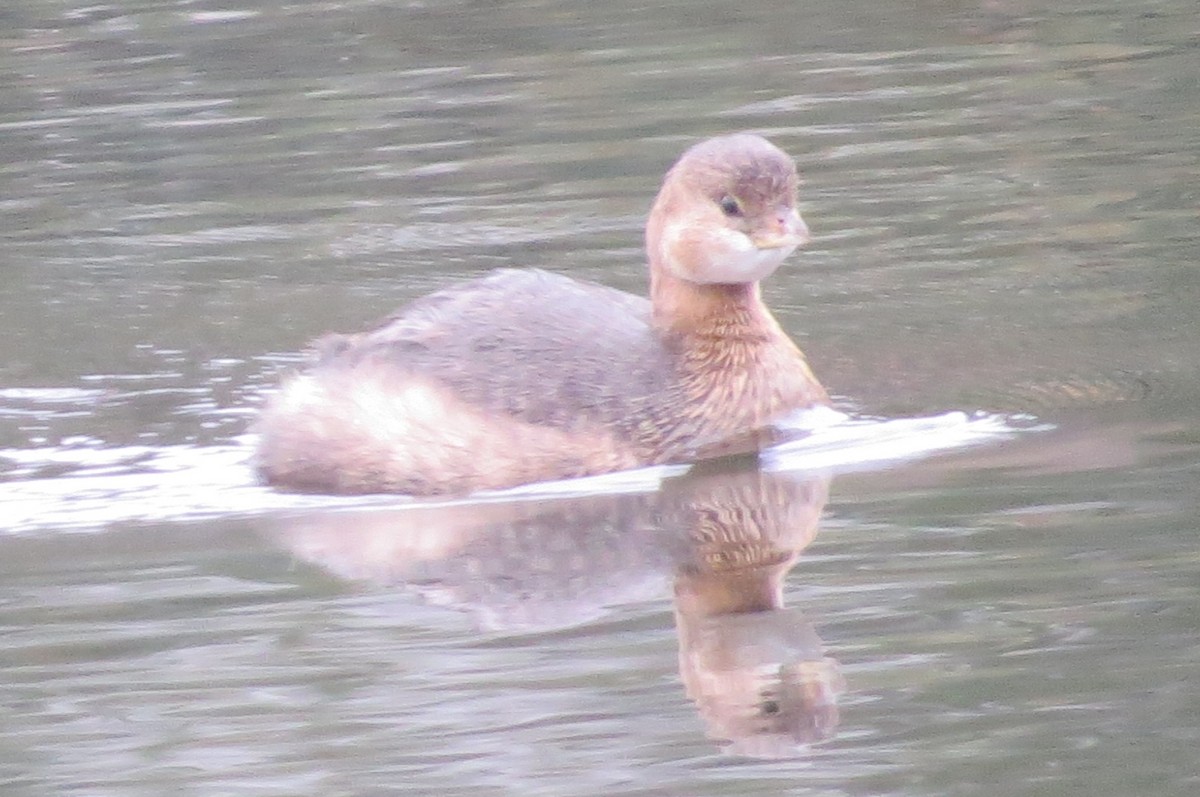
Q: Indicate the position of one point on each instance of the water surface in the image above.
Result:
(1004, 197)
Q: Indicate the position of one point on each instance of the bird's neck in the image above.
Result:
(730, 312)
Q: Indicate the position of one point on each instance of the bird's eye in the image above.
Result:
(730, 206)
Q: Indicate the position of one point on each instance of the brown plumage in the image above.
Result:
(524, 375)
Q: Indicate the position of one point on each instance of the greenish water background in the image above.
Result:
(1005, 202)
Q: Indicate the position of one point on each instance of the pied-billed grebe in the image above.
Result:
(523, 376)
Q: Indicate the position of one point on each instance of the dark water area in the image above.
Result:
(1005, 198)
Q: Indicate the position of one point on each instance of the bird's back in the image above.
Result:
(515, 377)
(544, 348)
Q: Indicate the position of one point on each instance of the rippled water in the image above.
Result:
(995, 594)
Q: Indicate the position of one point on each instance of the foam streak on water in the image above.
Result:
(132, 484)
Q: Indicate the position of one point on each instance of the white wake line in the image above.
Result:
(851, 444)
(140, 484)
(834, 443)
(175, 483)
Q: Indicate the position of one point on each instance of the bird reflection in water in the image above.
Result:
(724, 534)
(754, 668)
